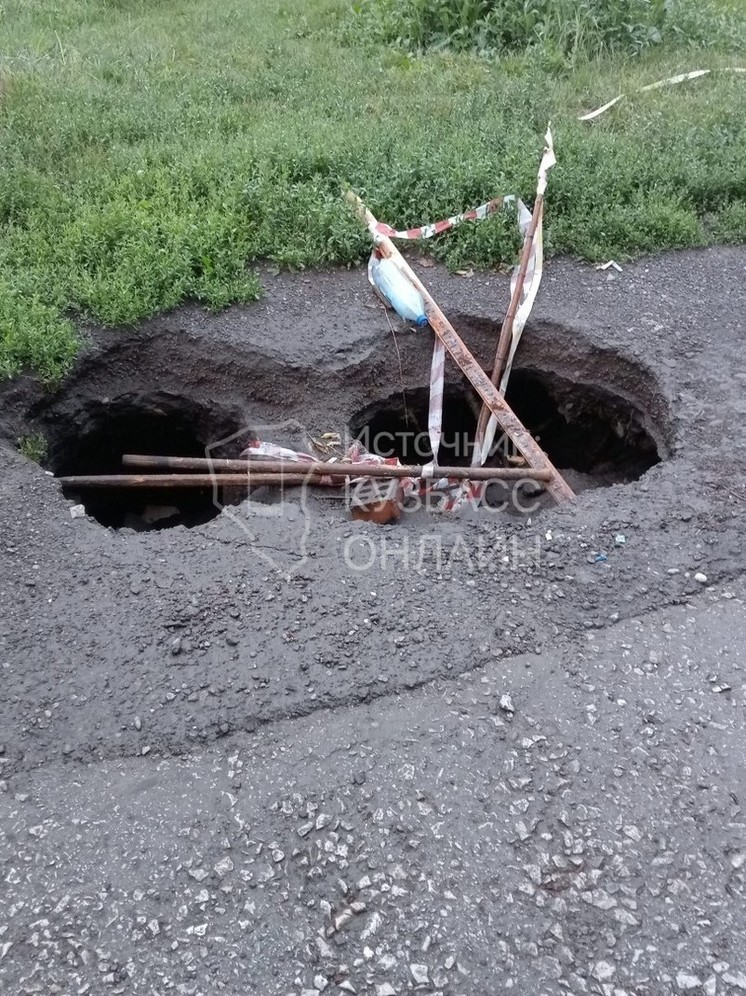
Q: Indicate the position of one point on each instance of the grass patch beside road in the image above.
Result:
(149, 152)
(567, 30)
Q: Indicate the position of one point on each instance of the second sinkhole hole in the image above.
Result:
(598, 436)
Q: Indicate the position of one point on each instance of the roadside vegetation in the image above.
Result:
(567, 31)
(150, 152)
(33, 447)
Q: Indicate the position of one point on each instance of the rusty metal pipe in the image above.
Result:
(180, 480)
(257, 480)
(323, 469)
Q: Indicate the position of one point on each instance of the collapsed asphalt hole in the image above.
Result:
(584, 428)
(397, 427)
(95, 440)
(597, 435)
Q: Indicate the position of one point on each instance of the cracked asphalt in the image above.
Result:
(524, 775)
(572, 824)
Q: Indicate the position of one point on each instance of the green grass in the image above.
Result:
(151, 151)
(566, 30)
(33, 447)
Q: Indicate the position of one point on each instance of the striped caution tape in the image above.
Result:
(658, 85)
(428, 231)
(355, 453)
(437, 387)
(437, 367)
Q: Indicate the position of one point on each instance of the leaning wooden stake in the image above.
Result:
(506, 332)
(509, 335)
(506, 418)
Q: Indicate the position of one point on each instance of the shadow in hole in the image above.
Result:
(173, 428)
(582, 428)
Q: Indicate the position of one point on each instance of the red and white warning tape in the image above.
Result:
(355, 453)
(428, 231)
(437, 368)
(437, 387)
(456, 492)
(460, 491)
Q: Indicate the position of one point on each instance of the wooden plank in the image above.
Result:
(506, 418)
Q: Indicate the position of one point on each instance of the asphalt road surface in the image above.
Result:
(437, 774)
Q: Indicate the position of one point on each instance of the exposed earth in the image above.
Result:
(264, 749)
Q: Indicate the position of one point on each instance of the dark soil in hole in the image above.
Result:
(583, 428)
(398, 427)
(168, 392)
(162, 424)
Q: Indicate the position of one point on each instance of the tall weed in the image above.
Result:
(567, 29)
